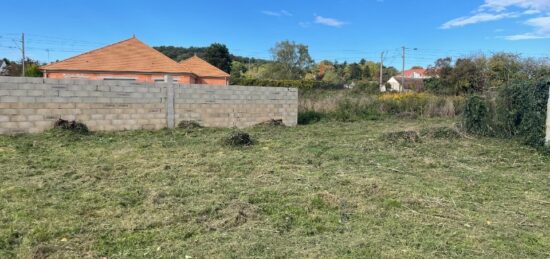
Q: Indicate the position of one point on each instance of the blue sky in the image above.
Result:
(343, 30)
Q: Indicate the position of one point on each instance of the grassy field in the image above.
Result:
(324, 190)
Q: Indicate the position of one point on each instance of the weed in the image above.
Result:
(72, 126)
(189, 125)
(272, 123)
(239, 139)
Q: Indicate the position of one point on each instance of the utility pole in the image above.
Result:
(403, 72)
(23, 54)
(381, 70)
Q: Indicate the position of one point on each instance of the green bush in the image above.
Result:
(309, 117)
(349, 110)
(367, 87)
(517, 110)
(521, 111)
(300, 84)
(476, 115)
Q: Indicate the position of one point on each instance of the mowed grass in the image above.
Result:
(323, 190)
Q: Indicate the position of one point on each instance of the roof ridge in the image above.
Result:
(91, 51)
(123, 56)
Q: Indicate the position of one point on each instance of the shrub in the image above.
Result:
(239, 139)
(517, 110)
(476, 115)
(367, 87)
(348, 110)
(189, 125)
(521, 111)
(301, 84)
(72, 126)
(309, 117)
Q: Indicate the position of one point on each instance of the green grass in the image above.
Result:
(322, 190)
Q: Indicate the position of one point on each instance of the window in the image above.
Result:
(161, 80)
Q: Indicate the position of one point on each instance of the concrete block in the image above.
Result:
(12, 79)
(35, 117)
(17, 92)
(8, 99)
(45, 124)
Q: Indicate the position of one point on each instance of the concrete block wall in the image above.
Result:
(32, 105)
(235, 106)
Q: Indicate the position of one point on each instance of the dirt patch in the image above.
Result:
(235, 214)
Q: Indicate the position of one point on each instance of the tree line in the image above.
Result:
(291, 62)
(481, 73)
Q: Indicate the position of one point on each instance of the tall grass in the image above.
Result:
(346, 105)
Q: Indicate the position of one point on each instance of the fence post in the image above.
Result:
(548, 121)
(170, 96)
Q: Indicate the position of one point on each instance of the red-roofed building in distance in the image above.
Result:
(133, 60)
(413, 81)
(416, 72)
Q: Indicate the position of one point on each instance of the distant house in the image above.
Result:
(414, 81)
(416, 72)
(133, 60)
(411, 85)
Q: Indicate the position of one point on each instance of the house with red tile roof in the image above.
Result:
(206, 72)
(133, 60)
(416, 72)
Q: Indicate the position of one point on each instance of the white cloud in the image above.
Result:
(501, 5)
(277, 13)
(525, 36)
(329, 21)
(541, 26)
(494, 10)
(476, 18)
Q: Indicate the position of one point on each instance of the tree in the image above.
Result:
(218, 55)
(292, 59)
(353, 72)
(32, 68)
(238, 69)
(366, 73)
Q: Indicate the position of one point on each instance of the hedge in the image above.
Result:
(301, 84)
(517, 110)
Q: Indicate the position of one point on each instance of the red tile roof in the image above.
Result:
(202, 68)
(130, 55)
(410, 72)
